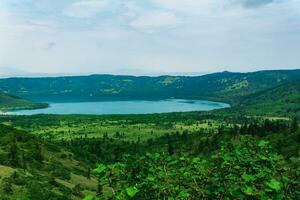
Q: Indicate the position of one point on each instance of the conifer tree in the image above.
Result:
(294, 125)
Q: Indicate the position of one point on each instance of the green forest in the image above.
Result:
(248, 151)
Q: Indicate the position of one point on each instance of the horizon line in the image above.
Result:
(186, 74)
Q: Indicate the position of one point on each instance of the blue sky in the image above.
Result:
(148, 36)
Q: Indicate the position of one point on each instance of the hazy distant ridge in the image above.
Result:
(224, 86)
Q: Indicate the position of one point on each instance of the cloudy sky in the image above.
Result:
(148, 36)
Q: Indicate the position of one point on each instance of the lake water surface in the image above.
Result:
(126, 107)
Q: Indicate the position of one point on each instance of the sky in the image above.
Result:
(148, 36)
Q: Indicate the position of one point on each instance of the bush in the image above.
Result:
(6, 187)
(247, 170)
(77, 190)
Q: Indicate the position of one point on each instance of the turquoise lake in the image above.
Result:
(126, 107)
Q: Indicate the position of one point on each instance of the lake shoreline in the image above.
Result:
(124, 107)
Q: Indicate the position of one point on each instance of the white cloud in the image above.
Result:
(192, 7)
(86, 8)
(156, 20)
(130, 10)
(189, 34)
(20, 24)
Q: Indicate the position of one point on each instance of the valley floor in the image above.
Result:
(84, 156)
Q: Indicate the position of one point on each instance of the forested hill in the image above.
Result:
(34, 169)
(281, 100)
(10, 102)
(224, 86)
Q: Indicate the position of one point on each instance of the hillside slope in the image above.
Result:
(10, 102)
(32, 169)
(226, 86)
(283, 100)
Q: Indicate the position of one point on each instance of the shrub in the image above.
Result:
(247, 170)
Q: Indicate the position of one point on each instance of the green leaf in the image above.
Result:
(132, 191)
(248, 190)
(173, 162)
(100, 169)
(263, 143)
(227, 157)
(279, 196)
(89, 197)
(150, 178)
(196, 160)
(182, 158)
(248, 177)
(156, 156)
(184, 194)
(274, 184)
(261, 174)
(149, 155)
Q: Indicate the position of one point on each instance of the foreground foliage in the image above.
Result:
(197, 156)
(243, 169)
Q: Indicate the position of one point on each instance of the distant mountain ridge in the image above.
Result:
(274, 92)
(224, 86)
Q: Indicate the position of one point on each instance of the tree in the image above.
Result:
(89, 173)
(170, 147)
(99, 189)
(294, 125)
(77, 190)
(37, 153)
(7, 187)
(23, 164)
(13, 155)
(117, 135)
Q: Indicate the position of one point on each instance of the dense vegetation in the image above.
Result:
(133, 158)
(248, 151)
(241, 169)
(10, 102)
(33, 169)
(225, 86)
(279, 101)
